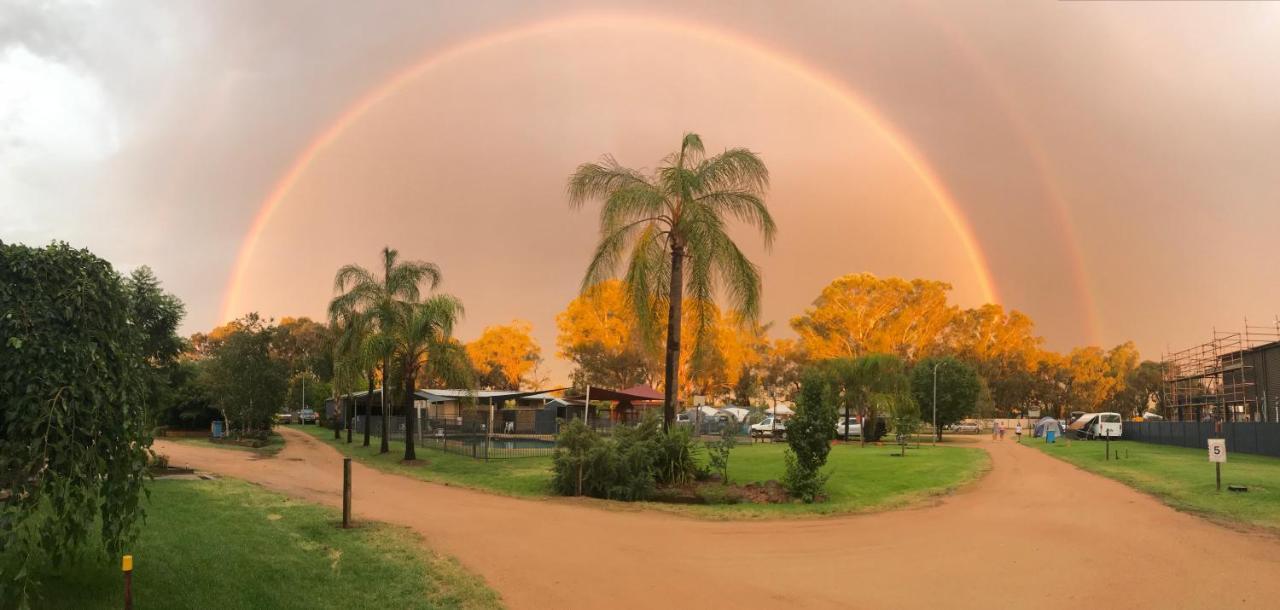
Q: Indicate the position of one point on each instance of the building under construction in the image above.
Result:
(1234, 377)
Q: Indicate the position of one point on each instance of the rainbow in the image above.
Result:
(353, 113)
(1036, 152)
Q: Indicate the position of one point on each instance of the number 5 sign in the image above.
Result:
(1218, 450)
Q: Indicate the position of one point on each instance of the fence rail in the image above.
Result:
(1261, 438)
(463, 437)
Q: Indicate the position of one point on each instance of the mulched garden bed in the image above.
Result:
(713, 491)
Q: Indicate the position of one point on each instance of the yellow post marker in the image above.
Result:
(126, 565)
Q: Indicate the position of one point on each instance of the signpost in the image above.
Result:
(1218, 455)
(126, 565)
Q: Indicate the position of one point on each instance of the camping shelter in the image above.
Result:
(739, 414)
(1045, 425)
(781, 410)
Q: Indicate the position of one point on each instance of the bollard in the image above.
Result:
(126, 565)
(346, 493)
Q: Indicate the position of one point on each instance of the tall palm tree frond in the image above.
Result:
(673, 224)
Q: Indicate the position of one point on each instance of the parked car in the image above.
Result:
(284, 418)
(769, 427)
(968, 426)
(854, 428)
(308, 416)
(684, 418)
(1097, 425)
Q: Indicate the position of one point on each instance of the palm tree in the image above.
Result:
(348, 367)
(354, 348)
(422, 344)
(379, 301)
(675, 226)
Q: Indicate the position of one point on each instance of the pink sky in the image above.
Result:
(1117, 162)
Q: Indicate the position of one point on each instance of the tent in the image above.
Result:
(781, 410)
(739, 414)
(704, 411)
(1046, 424)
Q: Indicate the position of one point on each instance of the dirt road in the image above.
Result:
(1034, 533)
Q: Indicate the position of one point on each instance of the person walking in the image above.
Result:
(995, 430)
(1017, 432)
(1001, 430)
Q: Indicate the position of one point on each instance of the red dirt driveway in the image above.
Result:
(1034, 533)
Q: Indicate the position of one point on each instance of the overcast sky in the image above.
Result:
(1119, 163)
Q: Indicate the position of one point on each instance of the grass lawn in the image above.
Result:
(275, 443)
(525, 476)
(1184, 478)
(229, 544)
(862, 480)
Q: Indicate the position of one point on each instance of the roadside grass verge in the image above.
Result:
(862, 479)
(1183, 478)
(228, 544)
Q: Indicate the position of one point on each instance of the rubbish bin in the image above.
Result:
(216, 431)
(1049, 435)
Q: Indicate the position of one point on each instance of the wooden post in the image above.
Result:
(126, 564)
(1108, 437)
(488, 432)
(346, 493)
(1219, 469)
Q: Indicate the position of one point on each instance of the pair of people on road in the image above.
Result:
(997, 431)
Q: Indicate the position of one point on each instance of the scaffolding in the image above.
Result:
(1217, 380)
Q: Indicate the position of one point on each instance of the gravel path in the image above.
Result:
(1034, 533)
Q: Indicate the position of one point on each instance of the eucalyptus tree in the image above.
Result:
(672, 230)
(422, 345)
(379, 300)
(879, 382)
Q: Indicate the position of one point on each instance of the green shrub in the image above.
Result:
(809, 436)
(626, 466)
(74, 436)
(718, 452)
(674, 463)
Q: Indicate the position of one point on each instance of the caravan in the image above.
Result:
(1097, 425)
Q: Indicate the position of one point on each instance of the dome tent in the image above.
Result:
(1046, 424)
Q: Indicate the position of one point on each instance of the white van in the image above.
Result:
(1097, 425)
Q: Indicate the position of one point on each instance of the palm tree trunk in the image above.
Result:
(410, 417)
(337, 419)
(368, 408)
(350, 415)
(673, 337)
(385, 447)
